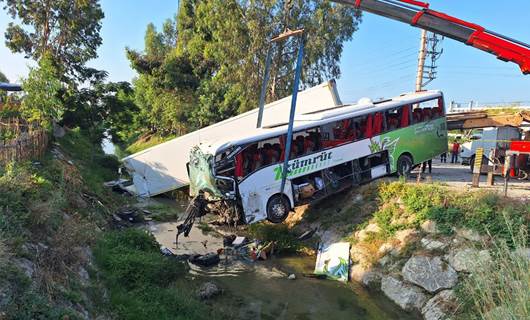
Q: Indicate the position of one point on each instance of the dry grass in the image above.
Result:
(501, 289)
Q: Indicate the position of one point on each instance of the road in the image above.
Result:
(459, 176)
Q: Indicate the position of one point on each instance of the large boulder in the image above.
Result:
(440, 307)
(363, 234)
(208, 290)
(366, 276)
(430, 273)
(407, 296)
(467, 259)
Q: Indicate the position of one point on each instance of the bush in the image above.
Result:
(143, 283)
(280, 234)
(501, 289)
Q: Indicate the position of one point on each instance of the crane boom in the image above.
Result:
(418, 14)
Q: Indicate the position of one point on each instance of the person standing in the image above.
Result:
(454, 151)
(443, 157)
(424, 166)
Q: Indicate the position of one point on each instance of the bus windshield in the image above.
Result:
(201, 175)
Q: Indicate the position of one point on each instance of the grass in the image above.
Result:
(45, 203)
(146, 142)
(283, 237)
(501, 290)
(403, 206)
(142, 283)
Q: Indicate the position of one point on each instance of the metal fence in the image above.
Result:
(20, 140)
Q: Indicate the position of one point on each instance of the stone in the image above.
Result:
(469, 234)
(430, 273)
(385, 248)
(292, 276)
(429, 226)
(385, 261)
(26, 265)
(366, 276)
(467, 259)
(406, 236)
(407, 296)
(361, 235)
(440, 307)
(358, 254)
(208, 290)
(83, 275)
(432, 244)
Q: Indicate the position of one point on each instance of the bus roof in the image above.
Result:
(312, 119)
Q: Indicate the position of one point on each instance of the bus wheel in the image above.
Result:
(404, 165)
(278, 208)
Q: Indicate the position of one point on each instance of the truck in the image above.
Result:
(497, 139)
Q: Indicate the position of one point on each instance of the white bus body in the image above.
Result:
(162, 168)
(361, 159)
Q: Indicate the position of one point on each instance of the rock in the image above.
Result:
(385, 261)
(83, 275)
(366, 276)
(208, 290)
(408, 297)
(429, 226)
(406, 236)
(364, 233)
(292, 276)
(430, 273)
(440, 307)
(58, 131)
(467, 259)
(432, 244)
(469, 234)
(26, 265)
(385, 248)
(359, 254)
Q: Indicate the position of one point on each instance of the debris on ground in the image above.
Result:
(292, 276)
(334, 261)
(208, 290)
(205, 260)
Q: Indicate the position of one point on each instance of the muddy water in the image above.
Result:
(261, 290)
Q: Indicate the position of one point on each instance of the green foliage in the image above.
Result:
(43, 89)
(143, 283)
(67, 30)
(283, 237)
(208, 64)
(3, 94)
(501, 290)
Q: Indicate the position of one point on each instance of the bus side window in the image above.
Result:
(378, 123)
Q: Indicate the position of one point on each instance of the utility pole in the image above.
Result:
(429, 50)
(421, 60)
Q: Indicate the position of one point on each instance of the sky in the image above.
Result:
(380, 60)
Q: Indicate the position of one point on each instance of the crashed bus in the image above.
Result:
(331, 149)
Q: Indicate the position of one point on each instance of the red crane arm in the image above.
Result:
(418, 14)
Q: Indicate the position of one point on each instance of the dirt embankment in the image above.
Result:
(419, 243)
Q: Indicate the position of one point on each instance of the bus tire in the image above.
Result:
(278, 208)
(404, 165)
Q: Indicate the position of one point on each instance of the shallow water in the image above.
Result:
(261, 290)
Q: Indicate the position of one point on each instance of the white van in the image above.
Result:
(488, 139)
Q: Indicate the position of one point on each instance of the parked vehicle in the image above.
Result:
(331, 150)
(497, 139)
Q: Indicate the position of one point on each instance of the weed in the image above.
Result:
(280, 234)
(501, 290)
(143, 283)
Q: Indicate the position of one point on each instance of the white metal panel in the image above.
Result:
(163, 167)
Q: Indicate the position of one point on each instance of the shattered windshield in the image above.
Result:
(201, 175)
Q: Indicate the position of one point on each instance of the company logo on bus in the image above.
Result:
(299, 166)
